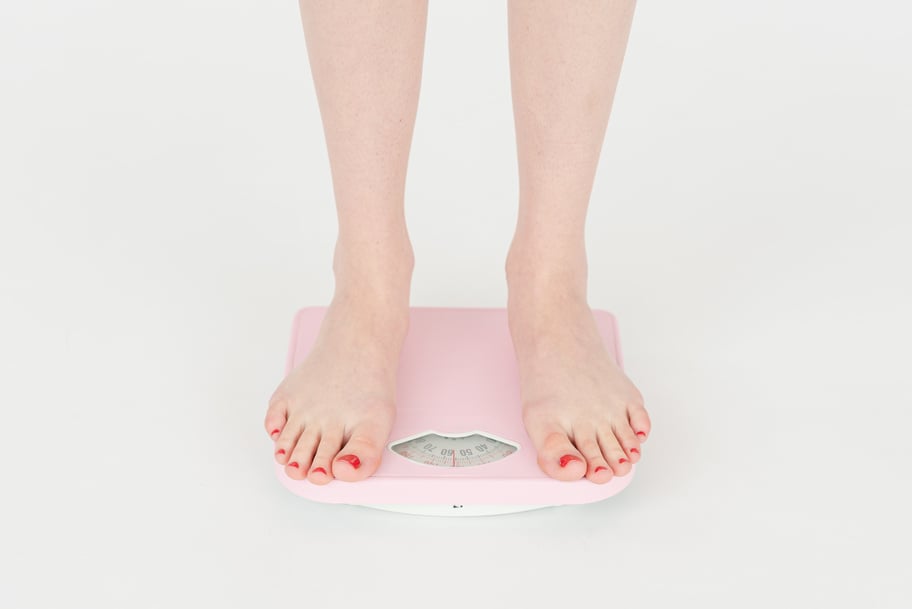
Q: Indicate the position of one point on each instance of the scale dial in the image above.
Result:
(464, 450)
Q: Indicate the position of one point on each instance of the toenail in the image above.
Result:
(293, 464)
(642, 434)
(281, 451)
(622, 460)
(274, 432)
(635, 450)
(319, 469)
(352, 459)
(567, 459)
(600, 468)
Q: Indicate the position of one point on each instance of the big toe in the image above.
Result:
(360, 457)
(558, 457)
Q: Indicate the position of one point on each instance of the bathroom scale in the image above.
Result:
(458, 446)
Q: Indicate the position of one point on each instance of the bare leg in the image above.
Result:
(331, 417)
(583, 414)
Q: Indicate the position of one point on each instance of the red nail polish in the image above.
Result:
(635, 450)
(567, 459)
(622, 460)
(274, 432)
(281, 451)
(293, 464)
(642, 434)
(351, 459)
(600, 468)
(319, 469)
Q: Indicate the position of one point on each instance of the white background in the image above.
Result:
(166, 207)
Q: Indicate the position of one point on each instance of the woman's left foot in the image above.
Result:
(585, 417)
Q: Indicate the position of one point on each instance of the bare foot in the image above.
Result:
(332, 415)
(583, 414)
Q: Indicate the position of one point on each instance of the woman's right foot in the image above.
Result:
(332, 415)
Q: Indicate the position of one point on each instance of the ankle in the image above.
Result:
(380, 267)
(540, 269)
(373, 298)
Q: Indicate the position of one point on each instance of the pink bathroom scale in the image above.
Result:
(458, 446)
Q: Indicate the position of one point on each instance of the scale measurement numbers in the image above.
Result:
(454, 451)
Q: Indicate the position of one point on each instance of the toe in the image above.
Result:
(276, 415)
(639, 421)
(321, 466)
(287, 440)
(598, 470)
(628, 440)
(302, 455)
(557, 456)
(614, 454)
(360, 457)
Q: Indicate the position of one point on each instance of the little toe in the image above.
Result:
(321, 466)
(639, 421)
(598, 470)
(558, 458)
(360, 457)
(628, 440)
(614, 454)
(287, 440)
(302, 455)
(276, 416)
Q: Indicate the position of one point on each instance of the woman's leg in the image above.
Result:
(331, 417)
(583, 414)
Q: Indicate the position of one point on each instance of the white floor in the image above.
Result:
(166, 207)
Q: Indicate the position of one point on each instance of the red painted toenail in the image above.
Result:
(351, 459)
(635, 450)
(622, 460)
(642, 434)
(274, 432)
(293, 464)
(281, 451)
(319, 469)
(567, 459)
(600, 468)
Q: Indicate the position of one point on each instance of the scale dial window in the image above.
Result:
(465, 450)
